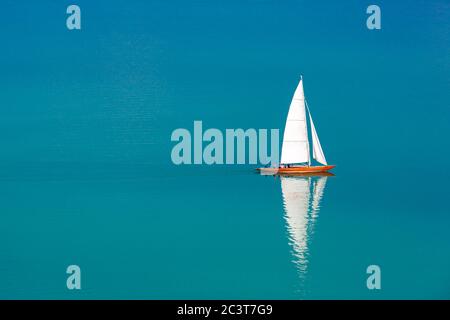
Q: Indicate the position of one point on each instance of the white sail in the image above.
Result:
(295, 147)
(317, 148)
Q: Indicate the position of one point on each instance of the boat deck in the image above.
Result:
(299, 170)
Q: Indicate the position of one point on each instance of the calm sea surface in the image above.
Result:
(86, 176)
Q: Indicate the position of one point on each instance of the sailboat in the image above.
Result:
(295, 152)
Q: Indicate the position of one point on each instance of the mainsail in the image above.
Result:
(295, 139)
(295, 147)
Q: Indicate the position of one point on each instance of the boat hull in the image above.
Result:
(299, 170)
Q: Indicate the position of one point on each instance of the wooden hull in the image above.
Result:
(300, 170)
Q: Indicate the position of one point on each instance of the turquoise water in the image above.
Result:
(86, 175)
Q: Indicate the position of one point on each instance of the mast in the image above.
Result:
(306, 129)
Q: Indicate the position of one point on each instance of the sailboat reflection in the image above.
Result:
(301, 200)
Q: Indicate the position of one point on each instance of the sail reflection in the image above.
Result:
(301, 201)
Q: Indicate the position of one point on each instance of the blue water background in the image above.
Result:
(86, 176)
